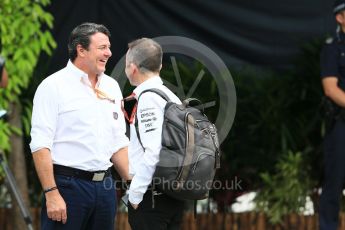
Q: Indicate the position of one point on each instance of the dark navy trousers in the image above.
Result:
(334, 175)
(90, 205)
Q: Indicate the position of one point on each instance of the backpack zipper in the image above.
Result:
(178, 178)
(202, 121)
(197, 160)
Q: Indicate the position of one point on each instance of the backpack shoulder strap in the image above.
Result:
(156, 91)
(153, 90)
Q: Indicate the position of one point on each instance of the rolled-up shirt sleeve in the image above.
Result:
(121, 142)
(120, 138)
(44, 116)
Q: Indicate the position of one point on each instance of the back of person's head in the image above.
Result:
(146, 54)
(81, 36)
(338, 6)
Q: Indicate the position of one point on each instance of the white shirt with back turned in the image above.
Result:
(150, 115)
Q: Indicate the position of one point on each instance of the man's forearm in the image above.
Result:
(44, 167)
(121, 164)
(338, 97)
(333, 91)
(56, 206)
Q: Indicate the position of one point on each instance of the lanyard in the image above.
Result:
(100, 95)
(129, 107)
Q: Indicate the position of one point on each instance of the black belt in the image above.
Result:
(81, 174)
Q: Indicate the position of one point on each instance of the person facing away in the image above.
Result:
(333, 81)
(143, 65)
(78, 133)
(3, 73)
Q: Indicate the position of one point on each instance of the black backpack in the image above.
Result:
(190, 151)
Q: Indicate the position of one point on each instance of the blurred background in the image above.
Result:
(272, 156)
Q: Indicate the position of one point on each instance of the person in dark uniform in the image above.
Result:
(3, 73)
(333, 81)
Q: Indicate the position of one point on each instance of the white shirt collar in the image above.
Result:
(79, 73)
(150, 83)
(75, 70)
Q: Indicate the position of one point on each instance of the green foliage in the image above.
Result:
(285, 191)
(23, 35)
(278, 130)
(277, 112)
(4, 135)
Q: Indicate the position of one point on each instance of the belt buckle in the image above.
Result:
(98, 176)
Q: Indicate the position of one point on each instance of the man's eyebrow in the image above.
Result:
(104, 46)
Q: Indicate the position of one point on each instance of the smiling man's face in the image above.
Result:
(98, 53)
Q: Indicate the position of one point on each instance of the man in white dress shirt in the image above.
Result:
(78, 133)
(143, 65)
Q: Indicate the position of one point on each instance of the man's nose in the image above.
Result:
(108, 52)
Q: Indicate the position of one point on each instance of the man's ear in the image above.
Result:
(339, 18)
(80, 51)
(134, 68)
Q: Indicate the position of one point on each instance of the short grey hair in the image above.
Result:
(146, 54)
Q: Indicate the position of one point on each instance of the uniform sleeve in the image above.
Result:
(329, 61)
(44, 117)
(150, 120)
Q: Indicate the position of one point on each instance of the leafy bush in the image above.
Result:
(24, 35)
(277, 112)
(22, 40)
(285, 191)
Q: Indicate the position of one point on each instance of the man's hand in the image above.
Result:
(56, 206)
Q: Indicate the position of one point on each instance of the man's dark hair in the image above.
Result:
(81, 36)
(146, 54)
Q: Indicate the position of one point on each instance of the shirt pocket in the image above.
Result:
(77, 111)
(74, 104)
(341, 73)
(342, 59)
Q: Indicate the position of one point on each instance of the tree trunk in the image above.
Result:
(18, 167)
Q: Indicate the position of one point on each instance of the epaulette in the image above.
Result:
(329, 40)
